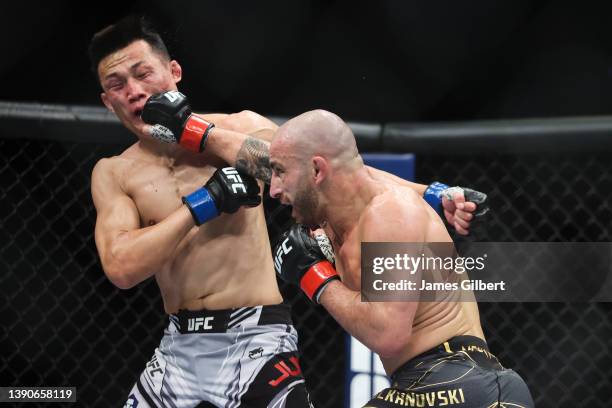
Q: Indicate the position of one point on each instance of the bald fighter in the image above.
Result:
(198, 228)
(434, 352)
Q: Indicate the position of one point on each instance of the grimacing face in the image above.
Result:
(292, 185)
(130, 75)
(306, 203)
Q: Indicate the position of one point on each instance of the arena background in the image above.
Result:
(450, 81)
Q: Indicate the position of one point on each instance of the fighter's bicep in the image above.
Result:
(385, 223)
(116, 212)
(117, 216)
(113, 220)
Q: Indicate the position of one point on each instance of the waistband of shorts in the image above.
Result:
(221, 321)
(471, 347)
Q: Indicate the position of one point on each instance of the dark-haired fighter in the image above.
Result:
(198, 229)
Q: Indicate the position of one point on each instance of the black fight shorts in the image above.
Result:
(461, 372)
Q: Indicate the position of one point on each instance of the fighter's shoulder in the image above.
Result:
(113, 163)
(110, 169)
(397, 198)
(105, 167)
(386, 202)
(392, 215)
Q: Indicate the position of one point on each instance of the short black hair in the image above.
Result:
(120, 35)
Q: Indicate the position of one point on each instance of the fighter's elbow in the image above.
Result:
(119, 277)
(122, 283)
(249, 117)
(121, 270)
(247, 121)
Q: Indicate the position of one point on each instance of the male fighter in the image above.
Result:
(168, 213)
(435, 352)
(214, 273)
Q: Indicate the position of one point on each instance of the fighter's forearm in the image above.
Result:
(367, 322)
(137, 255)
(246, 122)
(246, 153)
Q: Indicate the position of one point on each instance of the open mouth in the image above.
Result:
(138, 113)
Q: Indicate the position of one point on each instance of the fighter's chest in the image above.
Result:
(157, 189)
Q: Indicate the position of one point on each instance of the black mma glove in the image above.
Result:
(298, 259)
(173, 121)
(226, 191)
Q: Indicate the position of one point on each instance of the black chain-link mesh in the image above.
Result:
(64, 324)
(561, 350)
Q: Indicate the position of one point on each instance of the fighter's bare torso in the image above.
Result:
(433, 323)
(225, 263)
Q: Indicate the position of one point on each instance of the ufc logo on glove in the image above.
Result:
(173, 96)
(232, 175)
(282, 249)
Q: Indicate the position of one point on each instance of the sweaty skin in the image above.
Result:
(142, 227)
(327, 184)
(313, 164)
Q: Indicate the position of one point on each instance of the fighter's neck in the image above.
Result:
(351, 194)
(160, 149)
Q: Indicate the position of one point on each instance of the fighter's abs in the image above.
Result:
(203, 266)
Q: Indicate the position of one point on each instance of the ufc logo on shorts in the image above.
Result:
(232, 175)
(154, 367)
(198, 323)
(283, 249)
(173, 96)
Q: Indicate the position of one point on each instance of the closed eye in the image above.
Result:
(276, 169)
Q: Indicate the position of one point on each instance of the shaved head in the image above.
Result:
(319, 133)
(308, 155)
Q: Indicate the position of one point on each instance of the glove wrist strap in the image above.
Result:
(201, 205)
(433, 195)
(195, 133)
(319, 292)
(317, 276)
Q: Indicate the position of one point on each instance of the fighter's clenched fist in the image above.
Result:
(226, 191)
(174, 122)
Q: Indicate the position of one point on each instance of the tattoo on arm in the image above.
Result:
(253, 158)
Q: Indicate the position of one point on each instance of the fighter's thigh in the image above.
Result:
(138, 399)
(162, 384)
(279, 383)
